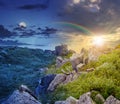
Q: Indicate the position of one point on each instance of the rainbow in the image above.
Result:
(76, 26)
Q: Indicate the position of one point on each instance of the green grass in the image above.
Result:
(52, 69)
(104, 80)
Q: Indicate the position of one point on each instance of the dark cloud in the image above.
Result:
(16, 43)
(28, 32)
(47, 31)
(5, 32)
(33, 6)
(10, 42)
(101, 16)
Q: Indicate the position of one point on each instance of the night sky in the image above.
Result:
(53, 22)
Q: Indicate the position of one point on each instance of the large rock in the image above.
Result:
(76, 59)
(99, 98)
(61, 50)
(69, 78)
(59, 61)
(94, 53)
(60, 102)
(85, 99)
(112, 100)
(70, 100)
(21, 98)
(57, 80)
(79, 66)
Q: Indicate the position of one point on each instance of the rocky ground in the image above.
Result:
(57, 86)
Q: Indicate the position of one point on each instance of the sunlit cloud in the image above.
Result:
(76, 1)
(77, 42)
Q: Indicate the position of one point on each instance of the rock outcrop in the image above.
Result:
(61, 50)
(112, 100)
(99, 98)
(80, 66)
(21, 98)
(57, 80)
(85, 99)
(70, 100)
(60, 61)
(75, 60)
(94, 53)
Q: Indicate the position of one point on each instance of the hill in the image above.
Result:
(104, 80)
(21, 66)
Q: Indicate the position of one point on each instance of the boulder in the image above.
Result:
(60, 102)
(94, 53)
(21, 98)
(75, 60)
(57, 80)
(85, 99)
(59, 61)
(61, 50)
(112, 100)
(99, 98)
(69, 78)
(90, 70)
(71, 100)
(79, 66)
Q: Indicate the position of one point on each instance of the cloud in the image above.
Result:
(11, 43)
(33, 31)
(5, 32)
(33, 6)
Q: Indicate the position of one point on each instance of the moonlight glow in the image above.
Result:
(23, 24)
(98, 41)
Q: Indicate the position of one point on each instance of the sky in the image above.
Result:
(47, 23)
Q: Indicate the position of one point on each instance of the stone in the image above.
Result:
(21, 98)
(57, 81)
(90, 70)
(99, 98)
(94, 53)
(75, 60)
(85, 99)
(112, 100)
(59, 61)
(60, 102)
(61, 50)
(68, 79)
(71, 100)
(79, 66)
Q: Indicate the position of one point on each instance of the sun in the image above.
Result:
(23, 24)
(98, 41)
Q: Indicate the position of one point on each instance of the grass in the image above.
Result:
(104, 80)
(52, 69)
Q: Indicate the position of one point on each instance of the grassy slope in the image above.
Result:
(104, 80)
